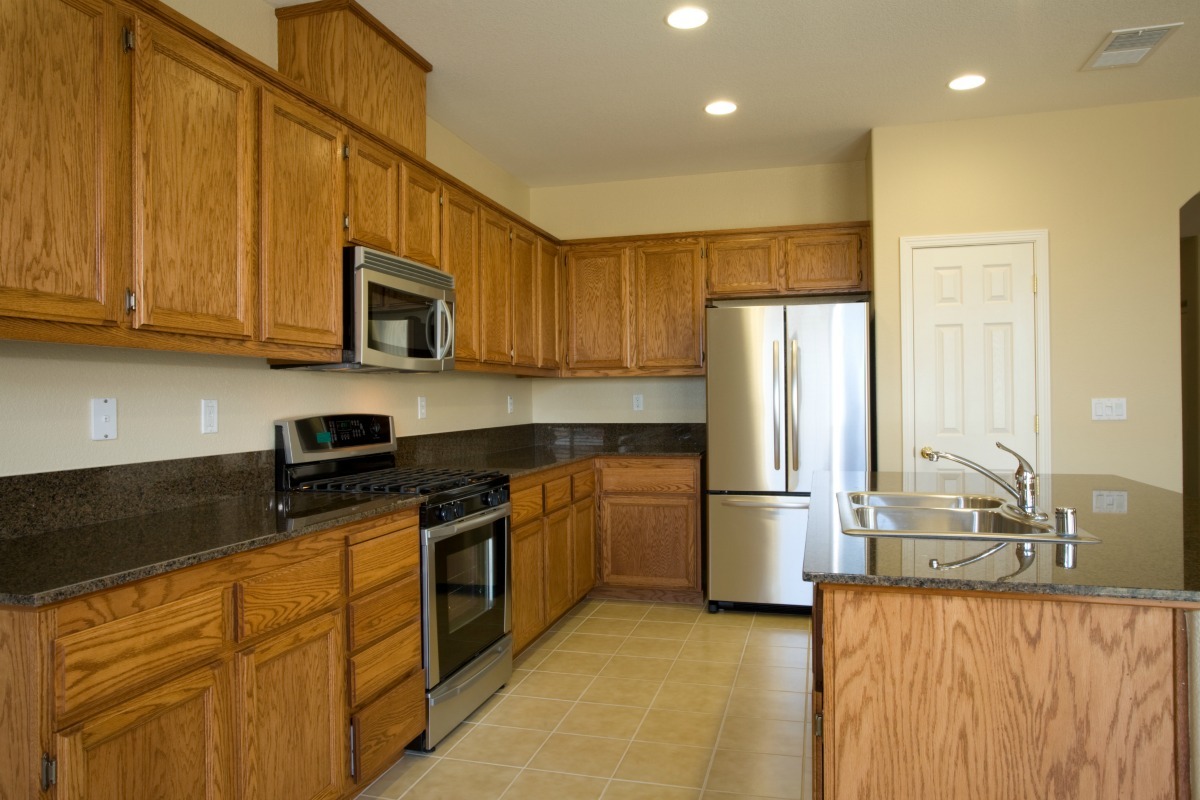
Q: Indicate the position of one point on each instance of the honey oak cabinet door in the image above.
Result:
(193, 188)
(583, 546)
(597, 308)
(743, 265)
(420, 215)
(58, 186)
(372, 196)
(549, 300)
(460, 258)
(173, 742)
(495, 288)
(560, 563)
(669, 296)
(302, 234)
(823, 262)
(525, 334)
(528, 583)
(292, 695)
(650, 541)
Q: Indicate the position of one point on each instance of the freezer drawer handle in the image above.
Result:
(763, 504)
(775, 394)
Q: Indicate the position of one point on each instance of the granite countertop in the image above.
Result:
(1149, 549)
(55, 565)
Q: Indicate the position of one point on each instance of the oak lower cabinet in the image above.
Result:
(649, 528)
(996, 695)
(528, 577)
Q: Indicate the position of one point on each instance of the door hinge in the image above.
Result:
(346, 222)
(818, 725)
(130, 301)
(1037, 423)
(353, 766)
(1035, 284)
(49, 772)
(128, 39)
(346, 152)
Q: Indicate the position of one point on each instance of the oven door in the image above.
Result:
(402, 324)
(464, 590)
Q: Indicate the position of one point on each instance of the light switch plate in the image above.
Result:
(208, 416)
(1108, 408)
(638, 403)
(1110, 502)
(104, 418)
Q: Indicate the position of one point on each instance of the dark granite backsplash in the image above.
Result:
(48, 501)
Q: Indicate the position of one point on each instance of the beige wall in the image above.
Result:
(752, 198)
(1108, 184)
(467, 164)
(611, 400)
(247, 24)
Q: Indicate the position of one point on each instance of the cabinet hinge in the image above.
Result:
(704, 252)
(128, 39)
(442, 199)
(818, 725)
(353, 766)
(346, 222)
(130, 301)
(346, 152)
(49, 772)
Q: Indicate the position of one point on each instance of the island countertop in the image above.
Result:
(1149, 548)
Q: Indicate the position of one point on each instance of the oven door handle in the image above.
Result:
(449, 529)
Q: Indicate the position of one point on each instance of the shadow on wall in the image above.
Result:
(1189, 327)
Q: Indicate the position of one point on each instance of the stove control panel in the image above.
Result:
(334, 435)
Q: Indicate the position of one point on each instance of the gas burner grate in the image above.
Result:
(404, 481)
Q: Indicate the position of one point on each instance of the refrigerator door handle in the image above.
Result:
(764, 504)
(795, 405)
(776, 397)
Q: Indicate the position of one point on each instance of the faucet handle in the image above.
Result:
(1024, 468)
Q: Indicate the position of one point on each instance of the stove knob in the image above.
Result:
(490, 499)
(444, 513)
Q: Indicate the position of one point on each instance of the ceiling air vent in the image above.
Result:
(1128, 47)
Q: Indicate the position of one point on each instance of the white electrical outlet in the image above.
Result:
(510, 404)
(421, 407)
(638, 405)
(208, 416)
(1108, 408)
(104, 418)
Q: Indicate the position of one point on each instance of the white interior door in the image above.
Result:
(972, 357)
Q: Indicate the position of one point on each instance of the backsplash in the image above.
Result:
(47, 501)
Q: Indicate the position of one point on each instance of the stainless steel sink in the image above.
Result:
(916, 515)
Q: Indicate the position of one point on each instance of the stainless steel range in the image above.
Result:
(466, 626)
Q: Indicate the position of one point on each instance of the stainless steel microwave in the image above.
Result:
(397, 315)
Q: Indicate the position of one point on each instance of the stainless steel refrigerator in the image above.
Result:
(788, 396)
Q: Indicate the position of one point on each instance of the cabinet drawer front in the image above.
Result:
(384, 662)
(285, 595)
(526, 505)
(104, 661)
(386, 725)
(650, 475)
(583, 484)
(384, 610)
(377, 561)
(558, 493)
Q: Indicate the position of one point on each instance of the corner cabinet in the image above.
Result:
(649, 528)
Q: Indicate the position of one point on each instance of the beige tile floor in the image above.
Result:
(635, 701)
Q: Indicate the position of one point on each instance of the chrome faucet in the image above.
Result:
(1023, 487)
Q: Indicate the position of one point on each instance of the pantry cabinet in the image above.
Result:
(372, 196)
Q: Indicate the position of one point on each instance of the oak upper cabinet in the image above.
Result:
(525, 332)
(342, 54)
(549, 270)
(816, 261)
(60, 184)
(743, 265)
(302, 233)
(420, 215)
(372, 196)
(649, 527)
(598, 307)
(669, 301)
(495, 287)
(194, 189)
(460, 258)
(812, 259)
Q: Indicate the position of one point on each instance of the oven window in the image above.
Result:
(400, 323)
(470, 570)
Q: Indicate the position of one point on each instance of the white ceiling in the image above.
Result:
(564, 91)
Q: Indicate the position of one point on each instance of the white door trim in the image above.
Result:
(1040, 239)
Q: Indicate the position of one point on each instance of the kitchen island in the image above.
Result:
(977, 682)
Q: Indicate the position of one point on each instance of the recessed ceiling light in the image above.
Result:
(965, 82)
(687, 17)
(721, 107)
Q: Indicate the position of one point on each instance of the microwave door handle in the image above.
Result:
(445, 329)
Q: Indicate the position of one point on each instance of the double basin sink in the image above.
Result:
(916, 515)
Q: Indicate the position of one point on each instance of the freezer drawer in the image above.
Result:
(756, 549)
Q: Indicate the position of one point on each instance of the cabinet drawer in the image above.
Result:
(660, 476)
(384, 662)
(558, 493)
(102, 662)
(285, 595)
(384, 610)
(376, 561)
(583, 484)
(526, 505)
(383, 728)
